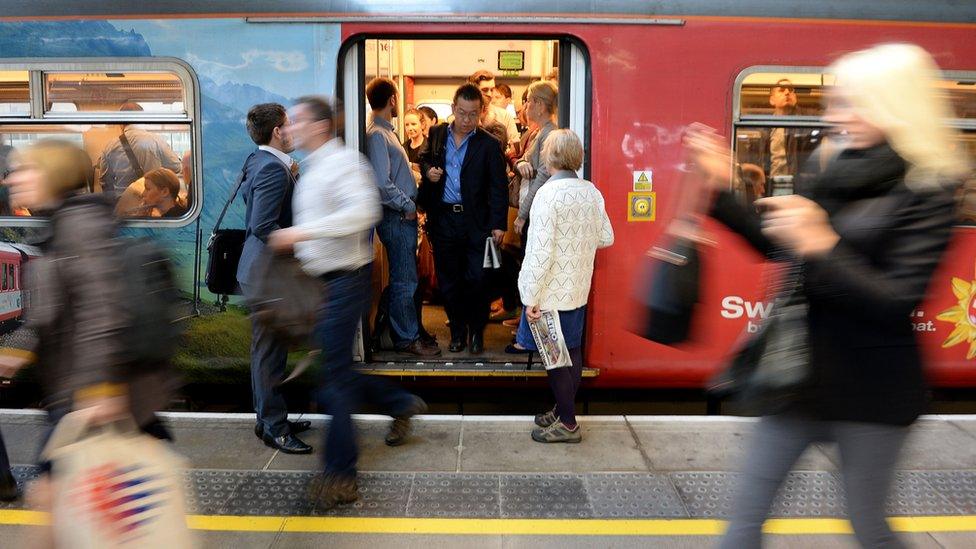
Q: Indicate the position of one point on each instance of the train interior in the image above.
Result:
(427, 73)
(92, 108)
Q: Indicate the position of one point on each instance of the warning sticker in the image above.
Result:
(641, 206)
(643, 181)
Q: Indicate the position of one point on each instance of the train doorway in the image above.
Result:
(426, 72)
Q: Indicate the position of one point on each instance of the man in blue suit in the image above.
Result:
(269, 180)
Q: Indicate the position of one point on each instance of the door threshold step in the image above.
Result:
(460, 369)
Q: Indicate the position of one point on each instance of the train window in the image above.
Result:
(137, 119)
(150, 92)
(779, 133)
(14, 93)
(4, 285)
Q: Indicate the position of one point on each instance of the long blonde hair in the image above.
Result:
(893, 86)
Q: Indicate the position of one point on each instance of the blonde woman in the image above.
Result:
(568, 225)
(866, 233)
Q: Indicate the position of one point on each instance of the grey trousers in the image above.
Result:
(868, 453)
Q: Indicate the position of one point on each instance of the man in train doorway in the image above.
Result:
(267, 188)
(465, 194)
(398, 228)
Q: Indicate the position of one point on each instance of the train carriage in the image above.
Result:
(632, 76)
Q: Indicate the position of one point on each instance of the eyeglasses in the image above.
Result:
(466, 115)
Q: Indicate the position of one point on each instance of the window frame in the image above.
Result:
(38, 67)
(756, 120)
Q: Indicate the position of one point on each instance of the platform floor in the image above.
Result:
(482, 482)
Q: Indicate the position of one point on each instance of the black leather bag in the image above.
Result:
(670, 293)
(224, 252)
(772, 366)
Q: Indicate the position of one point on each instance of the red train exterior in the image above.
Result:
(648, 84)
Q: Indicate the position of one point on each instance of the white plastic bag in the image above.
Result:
(114, 486)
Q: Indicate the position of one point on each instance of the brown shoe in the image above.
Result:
(417, 348)
(329, 490)
(400, 427)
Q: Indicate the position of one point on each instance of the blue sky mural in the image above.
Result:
(284, 59)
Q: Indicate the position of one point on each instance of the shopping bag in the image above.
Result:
(115, 487)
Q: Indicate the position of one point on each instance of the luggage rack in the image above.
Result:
(461, 369)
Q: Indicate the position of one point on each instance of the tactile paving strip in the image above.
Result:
(959, 487)
(544, 496)
(210, 492)
(813, 494)
(626, 495)
(915, 494)
(24, 474)
(454, 495)
(272, 494)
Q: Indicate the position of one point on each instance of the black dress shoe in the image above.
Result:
(477, 344)
(457, 345)
(299, 426)
(289, 444)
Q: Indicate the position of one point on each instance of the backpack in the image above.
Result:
(150, 302)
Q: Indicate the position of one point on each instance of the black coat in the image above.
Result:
(484, 183)
(865, 359)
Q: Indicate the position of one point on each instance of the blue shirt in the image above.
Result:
(453, 160)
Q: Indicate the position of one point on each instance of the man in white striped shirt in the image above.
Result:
(336, 206)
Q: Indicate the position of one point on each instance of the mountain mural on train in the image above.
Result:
(236, 65)
(234, 72)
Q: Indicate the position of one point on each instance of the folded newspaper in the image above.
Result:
(548, 336)
(492, 258)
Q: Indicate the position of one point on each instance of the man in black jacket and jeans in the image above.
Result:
(465, 194)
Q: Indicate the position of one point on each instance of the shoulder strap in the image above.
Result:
(237, 187)
(130, 154)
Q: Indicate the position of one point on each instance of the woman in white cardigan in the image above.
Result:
(567, 224)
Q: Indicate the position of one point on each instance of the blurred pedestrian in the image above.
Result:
(866, 235)
(76, 321)
(336, 207)
(569, 224)
(267, 187)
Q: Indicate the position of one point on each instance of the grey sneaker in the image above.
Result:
(546, 419)
(328, 490)
(400, 427)
(557, 432)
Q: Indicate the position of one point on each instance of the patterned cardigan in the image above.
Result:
(568, 223)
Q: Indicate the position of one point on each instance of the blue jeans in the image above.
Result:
(399, 237)
(342, 387)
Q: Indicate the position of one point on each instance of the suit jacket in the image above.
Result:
(865, 361)
(267, 188)
(484, 182)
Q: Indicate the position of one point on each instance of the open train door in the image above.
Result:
(427, 69)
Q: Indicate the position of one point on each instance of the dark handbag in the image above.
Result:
(287, 299)
(772, 366)
(668, 299)
(224, 252)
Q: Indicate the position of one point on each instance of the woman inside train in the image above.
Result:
(863, 238)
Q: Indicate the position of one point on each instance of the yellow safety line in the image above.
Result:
(514, 527)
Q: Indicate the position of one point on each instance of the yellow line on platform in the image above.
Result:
(538, 527)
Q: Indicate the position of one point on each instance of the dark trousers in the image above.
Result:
(4, 459)
(459, 254)
(564, 383)
(342, 387)
(268, 361)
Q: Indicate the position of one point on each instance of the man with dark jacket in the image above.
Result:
(267, 188)
(465, 194)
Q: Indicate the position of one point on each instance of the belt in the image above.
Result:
(332, 275)
(456, 208)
